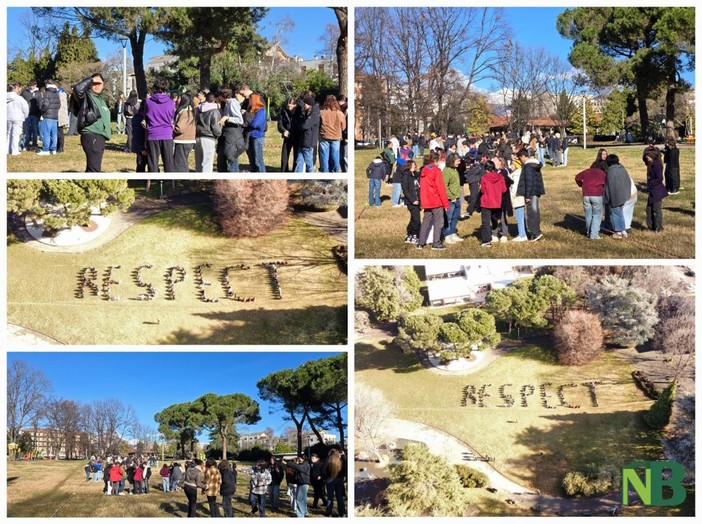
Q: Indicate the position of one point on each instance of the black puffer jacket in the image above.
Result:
(33, 98)
(285, 120)
(50, 103)
(228, 486)
(307, 128)
(410, 186)
(531, 183)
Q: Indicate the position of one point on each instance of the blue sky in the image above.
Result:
(310, 24)
(153, 381)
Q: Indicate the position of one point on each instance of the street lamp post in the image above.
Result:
(124, 66)
(584, 123)
(161, 182)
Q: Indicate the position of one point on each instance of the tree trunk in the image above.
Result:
(342, 48)
(205, 71)
(315, 430)
(298, 427)
(340, 426)
(670, 93)
(148, 185)
(643, 112)
(224, 447)
(137, 42)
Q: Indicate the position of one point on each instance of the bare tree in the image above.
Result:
(370, 411)
(141, 433)
(342, 48)
(562, 83)
(251, 208)
(63, 419)
(27, 388)
(110, 420)
(328, 40)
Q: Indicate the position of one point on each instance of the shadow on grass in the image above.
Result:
(311, 325)
(369, 356)
(687, 212)
(572, 223)
(576, 440)
(199, 218)
(10, 480)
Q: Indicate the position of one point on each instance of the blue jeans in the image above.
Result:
(374, 185)
(415, 150)
(256, 153)
(452, 216)
(165, 482)
(618, 218)
(120, 123)
(301, 498)
(31, 131)
(274, 495)
(329, 156)
(48, 129)
(592, 205)
(629, 211)
(396, 194)
(335, 489)
(541, 154)
(258, 501)
(304, 161)
(519, 217)
(233, 166)
(98, 476)
(564, 159)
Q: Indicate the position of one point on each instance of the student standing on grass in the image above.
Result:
(452, 184)
(183, 134)
(159, 111)
(517, 201)
(213, 479)
(531, 187)
(194, 479)
(592, 182)
(258, 487)
(165, 480)
(116, 476)
(332, 124)
(656, 191)
(93, 120)
(506, 208)
(317, 480)
(410, 190)
(131, 107)
(334, 473)
(277, 476)
(256, 126)
(228, 486)
(285, 128)
(672, 167)
(17, 113)
(302, 478)
(492, 187)
(208, 130)
(433, 200)
(307, 131)
(376, 174)
(617, 192)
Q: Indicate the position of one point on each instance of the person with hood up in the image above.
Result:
(207, 131)
(159, 111)
(531, 187)
(433, 200)
(375, 173)
(616, 192)
(17, 113)
(492, 187)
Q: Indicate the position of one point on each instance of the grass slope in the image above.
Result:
(41, 287)
(533, 446)
(380, 231)
(72, 160)
(58, 488)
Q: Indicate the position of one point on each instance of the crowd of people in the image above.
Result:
(497, 177)
(167, 126)
(130, 476)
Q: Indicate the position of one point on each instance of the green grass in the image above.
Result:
(44, 489)
(72, 160)
(41, 287)
(533, 446)
(380, 231)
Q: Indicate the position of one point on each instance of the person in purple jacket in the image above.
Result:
(255, 117)
(159, 111)
(656, 190)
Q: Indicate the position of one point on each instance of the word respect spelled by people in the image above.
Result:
(476, 395)
(89, 281)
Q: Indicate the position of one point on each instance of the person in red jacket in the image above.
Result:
(592, 181)
(116, 477)
(433, 200)
(492, 187)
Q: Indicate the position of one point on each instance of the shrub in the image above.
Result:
(419, 332)
(658, 416)
(471, 477)
(422, 484)
(578, 338)
(254, 454)
(645, 385)
(587, 484)
(250, 208)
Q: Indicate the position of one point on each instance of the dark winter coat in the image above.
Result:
(33, 98)
(506, 196)
(207, 121)
(138, 142)
(302, 472)
(85, 107)
(617, 186)
(376, 169)
(307, 128)
(475, 173)
(672, 160)
(50, 103)
(410, 186)
(654, 183)
(531, 183)
(285, 120)
(277, 474)
(228, 486)
(131, 106)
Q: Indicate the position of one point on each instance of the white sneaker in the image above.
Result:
(43, 153)
(449, 240)
(503, 239)
(495, 239)
(456, 238)
(520, 239)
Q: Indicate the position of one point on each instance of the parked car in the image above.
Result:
(365, 144)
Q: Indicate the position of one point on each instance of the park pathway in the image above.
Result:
(456, 451)
(19, 336)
